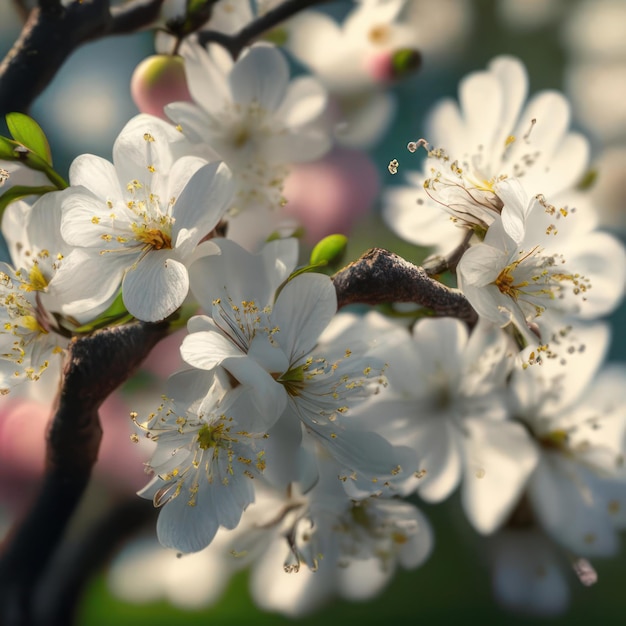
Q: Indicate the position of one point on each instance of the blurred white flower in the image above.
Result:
(356, 61)
(528, 573)
(446, 401)
(252, 116)
(473, 145)
(577, 417)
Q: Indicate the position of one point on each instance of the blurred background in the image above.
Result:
(576, 46)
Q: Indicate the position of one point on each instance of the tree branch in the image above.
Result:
(96, 365)
(50, 6)
(380, 276)
(51, 33)
(237, 42)
(73, 568)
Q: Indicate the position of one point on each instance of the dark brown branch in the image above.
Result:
(96, 365)
(237, 42)
(80, 559)
(380, 276)
(50, 6)
(438, 264)
(51, 34)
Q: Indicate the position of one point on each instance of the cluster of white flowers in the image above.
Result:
(290, 439)
(518, 411)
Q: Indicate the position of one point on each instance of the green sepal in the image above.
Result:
(329, 250)
(305, 269)
(26, 131)
(588, 180)
(298, 233)
(405, 61)
(115, 315)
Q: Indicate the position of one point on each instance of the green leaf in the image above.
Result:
(26, 131)
(21, 191)
(7, 149)
(11, 150)
(329, 250)
(114, 315)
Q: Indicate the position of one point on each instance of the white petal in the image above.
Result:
(517, 206)
(292, 594)
(191, 118)
(86, 219)
(304, 308)
(304, 101)
(268, 397)
(481, 100)
(206, 81)
(186, 528)
(155, 287)
(498, 457)
(513, 79)
(226, 270)
(97, 175)
(312, 37)
(480, 265)
(438, 453)
(261, 75)
(528, 574)
(144, 141)
(565, 505)
(206, 350)
(204, 200)
(86, 285)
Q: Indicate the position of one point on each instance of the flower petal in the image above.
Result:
(260, 76)
(155, 287)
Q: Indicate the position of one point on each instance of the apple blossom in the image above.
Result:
(137, 221)
(251, 116)
(485, 139)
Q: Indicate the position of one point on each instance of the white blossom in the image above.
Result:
(537, 265)
(137, 221)
(252, 116)
(487, 137)
(446, 400)
(203, 466)
(269, 347)
(577, 417)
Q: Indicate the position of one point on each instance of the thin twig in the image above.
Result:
(380, 276)
(237, 42)
(51, 34)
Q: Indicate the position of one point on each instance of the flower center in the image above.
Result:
(153, 237)
(533, 278)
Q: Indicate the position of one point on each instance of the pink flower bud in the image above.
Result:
(157, 81)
